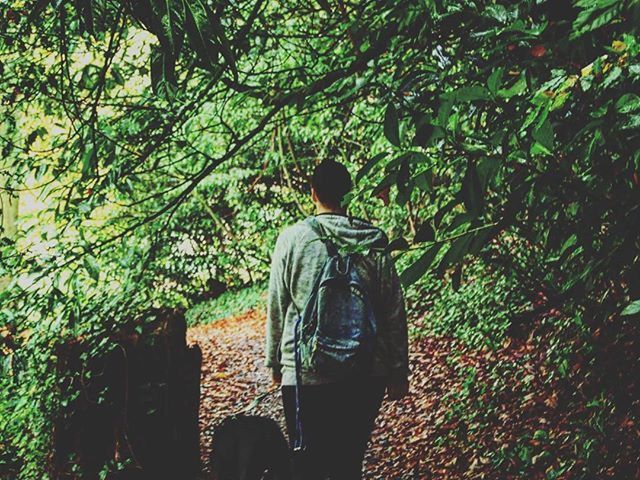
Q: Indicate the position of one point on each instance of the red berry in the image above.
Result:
(538, 51)
(511, 47)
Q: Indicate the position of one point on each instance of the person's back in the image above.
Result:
(337, 414)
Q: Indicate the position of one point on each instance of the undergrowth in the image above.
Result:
(478, 312)
(228, 304)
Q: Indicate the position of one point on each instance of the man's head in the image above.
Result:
(329, 184)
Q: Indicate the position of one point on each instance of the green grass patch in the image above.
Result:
(228, 304)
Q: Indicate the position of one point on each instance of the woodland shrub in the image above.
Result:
(479, 312)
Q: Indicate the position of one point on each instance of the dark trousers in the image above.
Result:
(337, 422)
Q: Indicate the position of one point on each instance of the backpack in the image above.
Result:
(335, 334)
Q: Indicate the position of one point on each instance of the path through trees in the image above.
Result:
(408, 442)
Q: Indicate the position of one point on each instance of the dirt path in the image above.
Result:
(407, 442)
(233, 373)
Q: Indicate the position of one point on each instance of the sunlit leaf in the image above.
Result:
(92, 267)
(632, 309)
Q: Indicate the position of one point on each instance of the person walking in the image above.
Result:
(335, 411)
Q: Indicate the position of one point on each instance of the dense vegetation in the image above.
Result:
(156, 148)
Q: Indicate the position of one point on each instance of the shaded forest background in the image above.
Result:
(152, 150)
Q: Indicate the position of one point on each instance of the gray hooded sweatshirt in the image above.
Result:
(298, 257)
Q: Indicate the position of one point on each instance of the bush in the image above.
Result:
(479, 312)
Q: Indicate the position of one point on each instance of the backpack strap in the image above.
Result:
(313, 223)
(299, 440)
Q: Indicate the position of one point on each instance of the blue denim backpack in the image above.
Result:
(335, 333)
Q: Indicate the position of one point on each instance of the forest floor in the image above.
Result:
(408, 441)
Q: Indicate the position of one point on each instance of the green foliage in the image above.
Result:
(632, 309)
(479, 312)
(553, 160)
(226, 305)
(159, 147)
(31, 379)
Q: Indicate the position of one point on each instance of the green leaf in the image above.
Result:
(537, 114)
(92, 267)
(456, 278)
(403, 183)
(196, 23)
(395, 164)
(628, 103)
(369, 166)
(420, 266)
(399, 243)
(425, 131)
(613, 75)
(570, 242)
(444, 112)
(632, 309)
(538, 149)
(404, 172)
(172, 13)
(458, 249)
(439, 216)
(117, 76)
(213, 27)
(544, 135)
(88, 161)
(472, 192)
(516, 89)
(163, 79)
(423, 180)
(540, 435)
(386, 182)
(594, 15)
(495, 80)
(488, 168)
(90, 77)
(480, 240)
(497, 12)
(460, 220)
(223, 42)
(391, 125)
(631, 124)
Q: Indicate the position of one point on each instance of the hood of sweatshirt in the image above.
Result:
(347, 231)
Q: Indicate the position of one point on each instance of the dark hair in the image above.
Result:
(331, 181)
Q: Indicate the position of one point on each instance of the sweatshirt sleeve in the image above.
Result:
(396, 317)
(277, 303)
